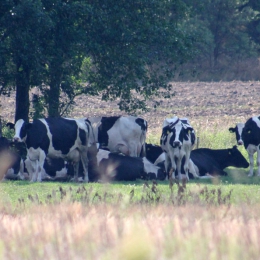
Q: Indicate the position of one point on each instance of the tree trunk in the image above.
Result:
(22, 95)
(53, 97)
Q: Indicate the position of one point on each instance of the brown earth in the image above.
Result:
(204, 103)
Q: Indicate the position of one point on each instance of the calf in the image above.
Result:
(122, 134)
(56, 138)
(177, 141)
(251, 140)
(114, 166)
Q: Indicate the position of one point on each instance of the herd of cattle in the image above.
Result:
(115, 148)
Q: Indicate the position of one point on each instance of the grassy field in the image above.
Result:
(202, 219)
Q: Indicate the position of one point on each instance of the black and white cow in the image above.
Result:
(251, 140)
(55, 137)
(114, 166)
(11, 159)
(177, 141)
(121, 134)
(238, 131)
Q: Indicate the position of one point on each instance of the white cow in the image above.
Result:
(122, 134)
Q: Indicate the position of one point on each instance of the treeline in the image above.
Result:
(228, 40)
(128, 50)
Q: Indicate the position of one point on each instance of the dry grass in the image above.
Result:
(72, 231)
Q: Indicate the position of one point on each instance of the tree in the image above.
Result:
(221, 27)
(22, 25)
(254, 25)
(126, 50)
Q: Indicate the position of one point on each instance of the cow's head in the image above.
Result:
(238, 131)
(180, 132)
(21, 129)
(236, 159)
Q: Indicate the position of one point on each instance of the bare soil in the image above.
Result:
(204, 103)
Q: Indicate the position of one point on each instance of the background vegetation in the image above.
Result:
(126, 50)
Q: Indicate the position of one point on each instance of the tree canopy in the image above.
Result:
(125, 50)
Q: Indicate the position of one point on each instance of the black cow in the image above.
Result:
(55, 137)
(251, 140)
(153, 151)
(214, 162)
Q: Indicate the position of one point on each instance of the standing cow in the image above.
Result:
(121, 134)
(177, 141)
(251, 140)
(55, 137)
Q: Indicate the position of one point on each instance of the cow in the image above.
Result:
(214, 161)
(12, 155)
(53, 169)
(238, 131)
(211, 162)
(121, 134)
(251, 141)
(55, 138)
(119, 167)
(177, 141)
(153, 151)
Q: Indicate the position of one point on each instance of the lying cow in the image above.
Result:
(107, 166)
(177, 141)
(121, 134)
(153, 151)
(114, 166)
(212, 162)
(54, 137)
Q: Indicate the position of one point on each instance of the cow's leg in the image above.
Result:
(40, 170)
(84, 160)
(258, 161)
(186, 164)
(167, 166)
(173, 167)
(76, 171)
(134, 149)
(179, 168)
(251, 163)
(192, 169)
(34, 165)
(21, 170)
(29, 167)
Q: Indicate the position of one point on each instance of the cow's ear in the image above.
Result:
(231, 129)
(10, 125)
(189, 130)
